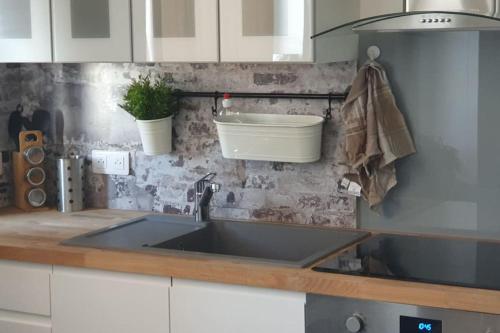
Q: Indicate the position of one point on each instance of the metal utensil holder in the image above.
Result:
(70, 180)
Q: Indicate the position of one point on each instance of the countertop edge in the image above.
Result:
(27, 247)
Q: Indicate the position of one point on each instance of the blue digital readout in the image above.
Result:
(425, 327)
(419, 325)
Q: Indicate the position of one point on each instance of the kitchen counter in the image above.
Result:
(35, 237)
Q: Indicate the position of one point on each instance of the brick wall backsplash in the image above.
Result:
(83, 100)
(10, 96)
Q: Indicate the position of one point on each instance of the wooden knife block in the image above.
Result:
(27, 139)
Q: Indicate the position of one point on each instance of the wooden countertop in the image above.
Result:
(35, 237)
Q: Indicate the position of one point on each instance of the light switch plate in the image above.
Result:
(111, 162)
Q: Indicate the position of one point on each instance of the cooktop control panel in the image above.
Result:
(436, 20)
(325, 314)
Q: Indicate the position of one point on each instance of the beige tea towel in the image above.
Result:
(376, 134)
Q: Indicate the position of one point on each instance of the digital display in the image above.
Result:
(419, 325)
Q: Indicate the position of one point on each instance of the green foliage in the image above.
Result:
(150, 99)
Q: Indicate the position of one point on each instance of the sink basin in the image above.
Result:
(296, 246)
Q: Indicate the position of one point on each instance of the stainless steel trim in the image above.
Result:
(460, 15)
(204, 190)
(480, 7)
(326, 314)
(441, 21)
(70, 180)
(440, 15)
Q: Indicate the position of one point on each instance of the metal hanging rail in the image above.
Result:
(330, 97)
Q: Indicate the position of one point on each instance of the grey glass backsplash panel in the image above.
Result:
(265, 17)
(15, 19)
(447, 86)
(90, 19)
(174, 18)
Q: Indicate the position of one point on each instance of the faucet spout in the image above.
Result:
(204, 190)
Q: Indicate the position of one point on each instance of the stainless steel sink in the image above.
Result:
(296, 246)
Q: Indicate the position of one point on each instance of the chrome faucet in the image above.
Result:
(204, 189)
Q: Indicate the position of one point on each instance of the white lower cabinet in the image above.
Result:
(24, 297)
(219, 308)
(89, 301)
(15, 322)
(25, 287)
(46, 299)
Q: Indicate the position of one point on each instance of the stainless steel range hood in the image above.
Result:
(431, 15)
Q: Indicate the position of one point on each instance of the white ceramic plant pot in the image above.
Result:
(156, 135)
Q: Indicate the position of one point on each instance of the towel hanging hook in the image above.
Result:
(373, 53)
(216, 100)
(328, 113)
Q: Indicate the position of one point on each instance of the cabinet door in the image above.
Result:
(87, 301)
(15, 322)
(266, 30)
(25, 287)
(91, 30)
(215, 308)
(25, 31)
(175, 30)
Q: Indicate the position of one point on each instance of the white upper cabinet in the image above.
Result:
(91, 31)
(182, 30)
(25, 31)
(175, 30)
(266, 30)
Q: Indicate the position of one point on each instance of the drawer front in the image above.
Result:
(25, 288)
(13, 322)
(197, 306)
(91, 301)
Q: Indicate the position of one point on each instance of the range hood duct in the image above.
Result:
(430, 15)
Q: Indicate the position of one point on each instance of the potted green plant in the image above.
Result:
(152, 103)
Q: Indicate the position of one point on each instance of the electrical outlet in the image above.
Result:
(110, 162)
(117, 162)
(99, 161)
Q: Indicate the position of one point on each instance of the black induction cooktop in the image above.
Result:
(456, 262)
